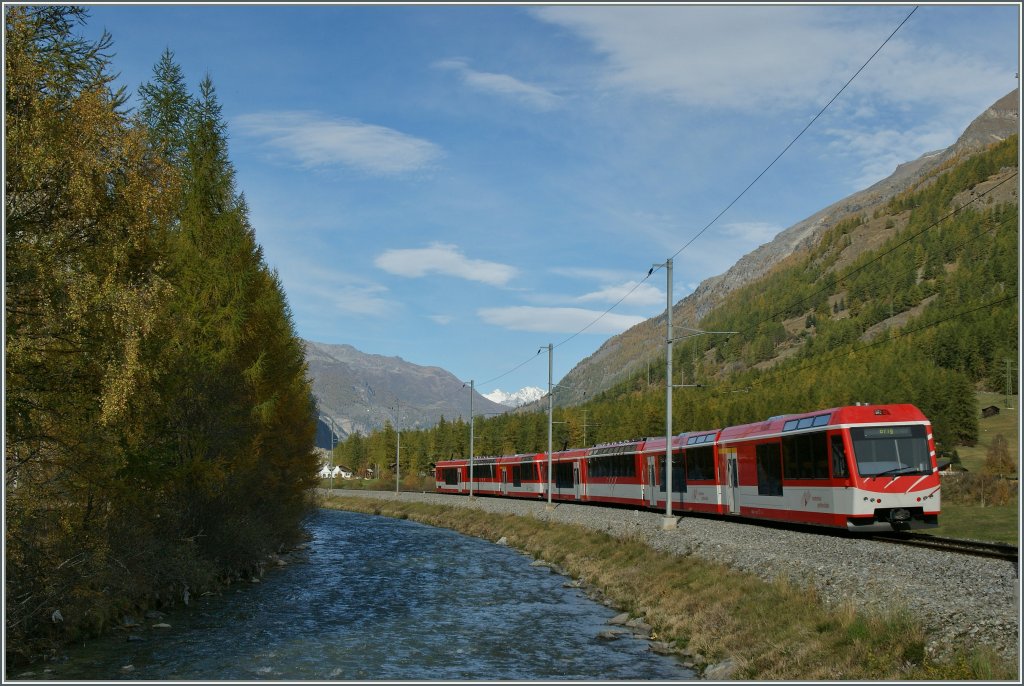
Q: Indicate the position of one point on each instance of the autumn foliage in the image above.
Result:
(159, 430)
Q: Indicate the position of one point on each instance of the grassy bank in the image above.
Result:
(972, 520)
(770, 631)
(1005, 423)
(997, 523)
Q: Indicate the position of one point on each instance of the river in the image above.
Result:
(375, 598)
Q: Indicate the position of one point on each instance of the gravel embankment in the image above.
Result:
(961, 600)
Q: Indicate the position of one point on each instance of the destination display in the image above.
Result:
(888, 432)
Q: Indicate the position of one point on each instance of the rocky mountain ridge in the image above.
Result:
(360, 392)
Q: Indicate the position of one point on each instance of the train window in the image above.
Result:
(700, 463)
(892, 450)
(678, 473)
(606, 466)
(451, 477)
(839, 470)
(805, 456)
(821, 420)
(769, 469)
(517, 475)
(563, 475)
(790, 425)
(805, 422)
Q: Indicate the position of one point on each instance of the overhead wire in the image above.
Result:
(758, 177)
(728, 207)
(798, 136)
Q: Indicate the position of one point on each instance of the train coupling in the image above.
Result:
(893, 519)
(899, 517)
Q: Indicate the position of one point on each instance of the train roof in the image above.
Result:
(863, 413)
(689, 439)
(620, 448)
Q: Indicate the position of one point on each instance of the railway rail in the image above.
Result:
(1000, 551)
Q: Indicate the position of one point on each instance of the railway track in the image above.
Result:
(1000, 551)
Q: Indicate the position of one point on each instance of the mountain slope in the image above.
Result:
(361, 392)
(627, 354)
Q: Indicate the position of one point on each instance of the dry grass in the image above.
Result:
(772, 631)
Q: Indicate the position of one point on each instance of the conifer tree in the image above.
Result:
(85, 216)
(165, 106)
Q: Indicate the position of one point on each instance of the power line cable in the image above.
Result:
(603, 314)
(516, 368)
(756, 179)
(729, 206)
(749, 185)
(802, 132)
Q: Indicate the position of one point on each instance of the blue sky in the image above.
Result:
(461, 185)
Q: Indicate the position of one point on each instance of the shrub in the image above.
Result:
(977, 489)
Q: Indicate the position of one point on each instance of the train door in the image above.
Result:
(652, 472)
(732, 480)
(576, 480)
(504, 480)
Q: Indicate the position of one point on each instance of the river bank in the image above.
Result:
(744, 602)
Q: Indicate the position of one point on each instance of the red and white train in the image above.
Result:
(860, 467)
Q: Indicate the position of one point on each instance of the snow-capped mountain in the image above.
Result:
(520, 397)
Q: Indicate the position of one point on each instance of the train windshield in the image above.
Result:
(891, 450)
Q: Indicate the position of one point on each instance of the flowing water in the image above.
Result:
(380, 599)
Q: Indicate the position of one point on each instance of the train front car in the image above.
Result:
(864, 468)
(895, 478)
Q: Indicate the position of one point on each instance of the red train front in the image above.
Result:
(861, 467)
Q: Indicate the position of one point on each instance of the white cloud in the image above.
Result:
(442, 319)
(750, 58)
(751, 233)
(314, 140)
(737, 57)
(593, 274)
(502, 84)
(363, 300)
(329, 291)
(557, 319)
(634, 292)
(444, 259)
(884, 149)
